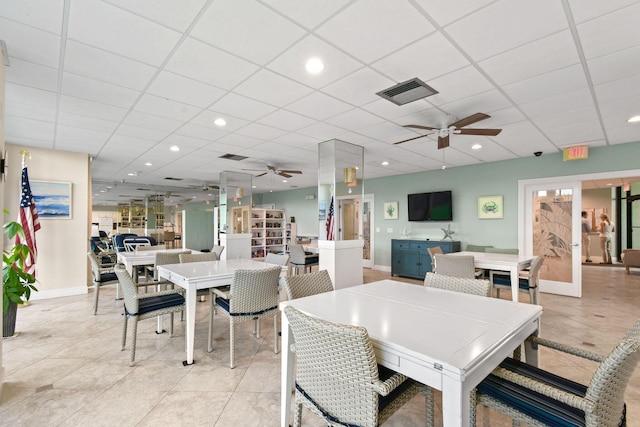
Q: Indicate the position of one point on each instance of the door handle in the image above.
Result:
(575, 244)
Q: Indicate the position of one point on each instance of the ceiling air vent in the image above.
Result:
(236, 157)
(406, 92)
(170, 178)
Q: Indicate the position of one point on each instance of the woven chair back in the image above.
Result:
(142, 248)
(254, 290)
(205, 256)
(217, 249)
(433, 251)
(304, 285)
(534, 271)
(277, 259)
(492, 250)
(336, 366)
(458, 284)
(455, 265)
(129, 289)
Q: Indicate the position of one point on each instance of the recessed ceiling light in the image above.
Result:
(103, 191)
(174, 148)
(476, 146)
(148, 164)
(634, 119)
(133, 174)
(284, 180)
(194, 197)
(109, 186)
(253, 186)
(220, 122)
(314, 65)
(385, 163)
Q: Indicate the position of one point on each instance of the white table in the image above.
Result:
(448, 340)
(135, 259)
(505, 262)
(204, 275)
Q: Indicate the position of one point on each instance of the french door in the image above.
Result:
(355, 218)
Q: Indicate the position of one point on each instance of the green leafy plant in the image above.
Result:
(17, 284)
(391, 210)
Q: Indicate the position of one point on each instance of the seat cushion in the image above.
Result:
(107, 277)
(499, 279)
(224, 304)
(146, 305)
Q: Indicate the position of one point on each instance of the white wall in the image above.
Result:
(62, 267)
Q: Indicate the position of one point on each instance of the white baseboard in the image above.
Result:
(56, 293)
(386, 268)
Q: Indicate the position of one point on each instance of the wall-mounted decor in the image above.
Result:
(490, 207)
(322, 210)
(53, 199)
(390, 210)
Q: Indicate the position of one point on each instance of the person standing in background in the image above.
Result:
(606, 230)
(586, 229)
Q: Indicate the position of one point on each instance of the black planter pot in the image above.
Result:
(9, 320)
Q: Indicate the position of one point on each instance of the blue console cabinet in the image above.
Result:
(409, 258)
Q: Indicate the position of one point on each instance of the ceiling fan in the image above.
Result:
(286, 173)
(455, 128)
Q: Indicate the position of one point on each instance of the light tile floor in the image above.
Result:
(66, 368)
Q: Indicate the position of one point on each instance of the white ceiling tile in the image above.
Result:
(74, 135)
(177, 15)
(387, 132)
(292, 62)
(426, 59)
(623, 135)
(27, 74)
(523, 139)
(234, 142)
(207, 118)
(43, 15)
(307, 14)
(165, 107)
(574, 133)
(369, 30)
(624, 63)
(209, 65)
(30, 44)
(621, 32)
(620, 110)
(111, 28)
(30, 111)
(584, 10)
(547, 85)
(387, 109)
(142, 132)
(319, 106)
(502, 117)
(93, 90)
(445, 11)
(556, 104)
(253, 32)
(140, 119)
(185, 90)
(298, 140)
(286, 120)
(360, 87)
(272, 88)
(78, 121)
(245, 108)
(182, 141)
(618, 89)
(504, 25)
(355, 119)
(538, 57)
(88, 108)
(322, 131)
(258, 131)
(564, 118)
(37, 101)
(28, 129)
(98, 64)
(458, 84)
(485, 102)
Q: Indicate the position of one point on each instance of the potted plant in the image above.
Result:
(17, 284)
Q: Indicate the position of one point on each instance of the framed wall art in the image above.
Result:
(390, 210)
(53, 199)
(490, 207)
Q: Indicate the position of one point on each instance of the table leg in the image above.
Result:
(455, 403)
(190, 300)
(514, 283)
(286, 372)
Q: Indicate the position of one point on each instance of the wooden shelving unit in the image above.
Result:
(268, 228)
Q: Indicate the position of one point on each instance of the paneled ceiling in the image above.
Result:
(124, 80)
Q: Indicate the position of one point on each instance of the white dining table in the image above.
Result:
(512, 263)
(193, 276)
(133, 259)
(447, 340)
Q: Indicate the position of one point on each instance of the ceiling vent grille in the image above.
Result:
(170, 178)
(235, 157)
(406, 92)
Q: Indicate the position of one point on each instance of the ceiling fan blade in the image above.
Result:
(443, 142)
(285, 175)
(262, 174)
(486, 132)
(254, 170)
(271, 168)
(410, 139)
(420, 127)
(290, 171)
(470, 120)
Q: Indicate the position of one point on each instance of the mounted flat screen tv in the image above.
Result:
(434, 206)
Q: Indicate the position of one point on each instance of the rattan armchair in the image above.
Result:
(143, 306)
(458, 284)
(337, 377)
(455, 265)
(253, 295)
(217, 249)
(205, 256)
(304, 285)
(539, 398)
(103, 274)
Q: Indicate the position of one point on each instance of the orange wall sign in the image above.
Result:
(576, 153)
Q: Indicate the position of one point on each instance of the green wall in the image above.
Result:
(466, 183)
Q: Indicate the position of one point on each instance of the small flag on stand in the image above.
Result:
(330, 221)
(28, 218)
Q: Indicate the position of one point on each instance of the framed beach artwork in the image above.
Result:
(490, 207)
(53, 199)
(390, 210)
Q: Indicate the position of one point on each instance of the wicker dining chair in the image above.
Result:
(455, 265)
(337, 377)
(304, 285)
(539, 398)
(527, 280)
(143, 306)
(253, 295)
(204, 256)
(217, 249)
(277, 259)
(103, 274)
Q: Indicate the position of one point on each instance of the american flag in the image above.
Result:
(330, 221)
(28, 218)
